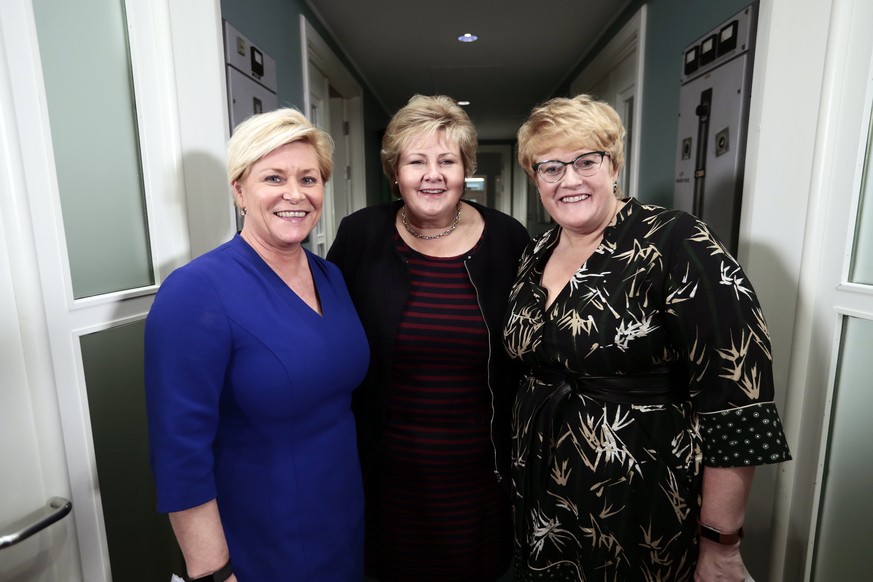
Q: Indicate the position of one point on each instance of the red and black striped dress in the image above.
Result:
(436, 510)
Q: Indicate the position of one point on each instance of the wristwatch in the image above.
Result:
(219, 575)
(717, 536)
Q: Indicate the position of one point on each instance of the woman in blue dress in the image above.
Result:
(252, 436)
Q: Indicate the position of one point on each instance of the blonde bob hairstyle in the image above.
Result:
(571, 124)
(260, 134)
(419, 119)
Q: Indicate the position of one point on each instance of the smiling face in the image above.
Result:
(430, 178)
(582, 205)
(282, 193)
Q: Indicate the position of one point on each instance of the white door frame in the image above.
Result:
(825, 296)
(318, 110)
(317, 53)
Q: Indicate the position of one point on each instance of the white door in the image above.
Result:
(615, 76)
(342, 179)
(104, 153)
(32, 468)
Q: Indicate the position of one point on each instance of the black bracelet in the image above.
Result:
(219, 575)
(718, 536)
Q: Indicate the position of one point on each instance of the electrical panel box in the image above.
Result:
(713, 124)
(251, 77)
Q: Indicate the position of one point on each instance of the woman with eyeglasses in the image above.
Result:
(648, 399)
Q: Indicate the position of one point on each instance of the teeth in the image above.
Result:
(577, 198)
(291, 214)
(431, 191)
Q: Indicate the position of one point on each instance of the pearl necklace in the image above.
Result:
(417, 234)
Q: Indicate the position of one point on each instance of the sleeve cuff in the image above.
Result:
(747, 436)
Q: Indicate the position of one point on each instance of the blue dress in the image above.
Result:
(249, 403)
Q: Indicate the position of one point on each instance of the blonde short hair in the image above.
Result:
(260, 134)
(571, 123)
(420, 118)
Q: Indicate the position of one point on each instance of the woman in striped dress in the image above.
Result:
(430, 276)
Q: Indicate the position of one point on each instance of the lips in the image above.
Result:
(575, 198)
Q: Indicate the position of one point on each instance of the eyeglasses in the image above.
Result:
(585, 165)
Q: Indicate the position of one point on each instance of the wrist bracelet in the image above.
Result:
(219, 575)
(710, 533)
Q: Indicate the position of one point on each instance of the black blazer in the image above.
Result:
(378, 281)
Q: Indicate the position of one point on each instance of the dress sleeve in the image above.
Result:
(715, 319)
(187, 349)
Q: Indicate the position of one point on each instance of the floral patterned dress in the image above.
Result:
(606, 475)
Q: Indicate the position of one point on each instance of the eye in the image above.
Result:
(583, 163)
(550, 169)
(309, 180)
(448, 162)
(274, 179)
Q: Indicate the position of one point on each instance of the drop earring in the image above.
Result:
(243, 211)
(614, 187)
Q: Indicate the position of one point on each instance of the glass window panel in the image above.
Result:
(86, 66)
(845, 514)
(140, 540)
(862, 254)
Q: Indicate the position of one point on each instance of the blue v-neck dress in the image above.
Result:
(249, 403)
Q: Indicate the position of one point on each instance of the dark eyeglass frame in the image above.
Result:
(536, 166)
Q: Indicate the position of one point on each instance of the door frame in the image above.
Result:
(317, 53)
(828, 297)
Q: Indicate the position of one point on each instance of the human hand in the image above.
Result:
(719, 563)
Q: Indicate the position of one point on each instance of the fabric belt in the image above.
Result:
(663, 385)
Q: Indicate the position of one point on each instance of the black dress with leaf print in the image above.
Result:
(606, 489)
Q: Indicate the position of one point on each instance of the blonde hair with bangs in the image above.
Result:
(419, 119)
(260, 134)
(571, 123)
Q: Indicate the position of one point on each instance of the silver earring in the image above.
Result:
(243, 211)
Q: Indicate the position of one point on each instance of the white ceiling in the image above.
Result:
(526, 49)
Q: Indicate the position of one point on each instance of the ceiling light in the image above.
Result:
(462, 103)
(467, 37)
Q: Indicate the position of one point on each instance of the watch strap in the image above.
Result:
(718, 536)
(219, 575)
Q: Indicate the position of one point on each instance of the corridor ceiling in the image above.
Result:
(525, 51)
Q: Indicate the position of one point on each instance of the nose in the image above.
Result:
(293, 193)
(432, 171)
(571, 177)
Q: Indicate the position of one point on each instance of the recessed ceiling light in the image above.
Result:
(462, 103)
(467, 37)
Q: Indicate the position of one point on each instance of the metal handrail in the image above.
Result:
(56, 510)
